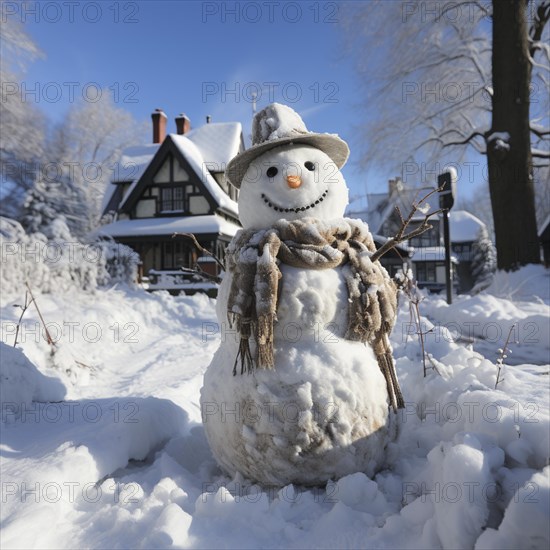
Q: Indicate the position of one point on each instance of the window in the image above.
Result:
(171, 199)
(428, 238)
(175, 255)
(425, 272)
(461, 248)
(171, 193)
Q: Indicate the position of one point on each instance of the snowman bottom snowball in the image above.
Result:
(320, 414)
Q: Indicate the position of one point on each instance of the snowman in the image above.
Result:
(302, 388)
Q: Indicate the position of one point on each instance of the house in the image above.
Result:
(465, 229)
(428, 258)
(176, 184)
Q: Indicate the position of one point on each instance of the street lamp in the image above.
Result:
(447, 185)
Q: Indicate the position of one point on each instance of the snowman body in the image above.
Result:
(322, 411)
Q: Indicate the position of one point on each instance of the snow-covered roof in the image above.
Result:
(464, 227)
(402, 247)
(211, 146)
(133, 162)
(382, 205)
(377, 210)
(167, 226)
(195, 159)
(218, 142)
(130, 166)
(193, 155)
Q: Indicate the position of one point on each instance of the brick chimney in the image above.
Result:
(159, 125)
(395, 185)
(183, 124)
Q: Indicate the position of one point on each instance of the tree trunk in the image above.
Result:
(509, 158)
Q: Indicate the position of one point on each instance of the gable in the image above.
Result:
(168, 186)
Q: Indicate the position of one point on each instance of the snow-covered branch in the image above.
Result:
(542, 16)
(401, 236)
(539, 131)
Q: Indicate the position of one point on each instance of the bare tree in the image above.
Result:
(431, 96)
(509, 154)
(82, 150)
(22, 126)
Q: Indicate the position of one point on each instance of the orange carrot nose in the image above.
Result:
(294, 181)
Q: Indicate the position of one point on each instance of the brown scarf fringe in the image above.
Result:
(252, 259)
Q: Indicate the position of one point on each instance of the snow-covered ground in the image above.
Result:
(102, 445)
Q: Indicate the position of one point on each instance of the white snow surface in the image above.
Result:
(22, 383)
(121, 460)
(166, 226)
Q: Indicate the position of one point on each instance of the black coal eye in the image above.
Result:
(271, 172)
(309, 165)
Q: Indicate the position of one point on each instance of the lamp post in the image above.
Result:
(447, 185)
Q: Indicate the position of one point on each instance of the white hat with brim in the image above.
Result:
(278, 125)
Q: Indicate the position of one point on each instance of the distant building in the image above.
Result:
(428, 253)
(464, 229)
(175, 185)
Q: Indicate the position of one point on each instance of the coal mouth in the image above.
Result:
(278, 208)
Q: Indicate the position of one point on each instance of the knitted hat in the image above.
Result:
(278, 125)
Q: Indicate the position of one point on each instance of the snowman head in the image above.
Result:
(291, 182)
(288, 172)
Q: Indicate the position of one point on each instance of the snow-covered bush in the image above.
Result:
(121, 261)
(58, 261)
(484, 261)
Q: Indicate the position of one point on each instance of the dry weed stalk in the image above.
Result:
(23, 308)
(503, 354)
(49, 338)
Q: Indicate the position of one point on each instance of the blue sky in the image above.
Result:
(202, 58)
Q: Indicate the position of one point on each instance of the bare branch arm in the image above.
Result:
(401, 236)
(200, 247)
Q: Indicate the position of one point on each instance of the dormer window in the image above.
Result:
(171, 199)
(171, 193)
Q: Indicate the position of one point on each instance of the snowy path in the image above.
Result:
(122, 461)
